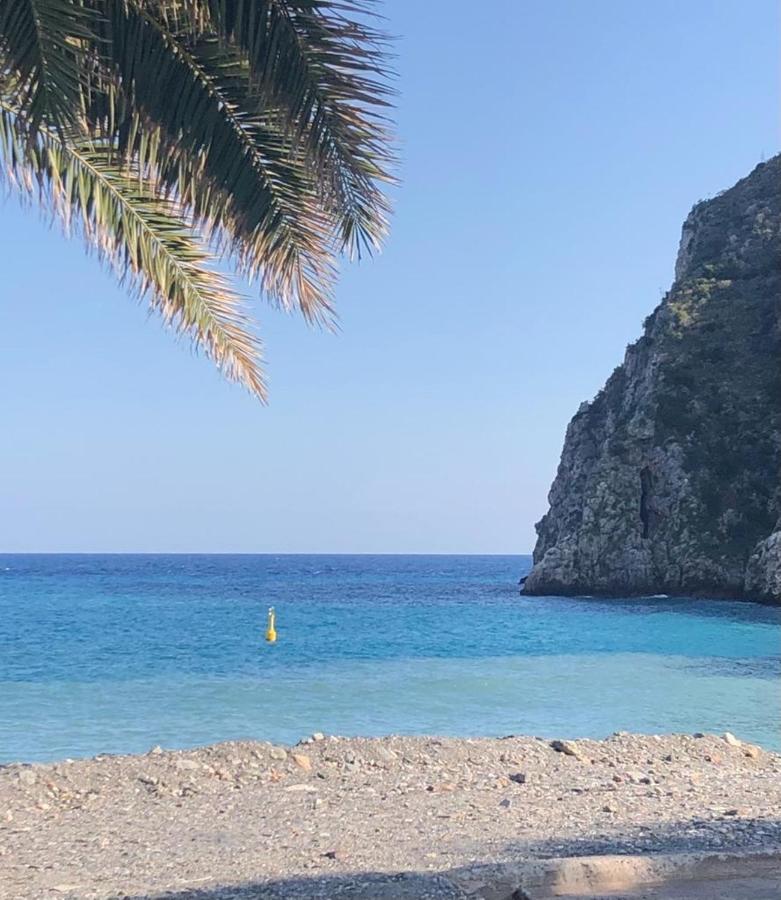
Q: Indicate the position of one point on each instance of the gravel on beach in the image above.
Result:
(371, 818)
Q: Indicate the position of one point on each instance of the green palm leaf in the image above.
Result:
(171, 131)
(47, 43)
(327, 68)
(142, 236)
(223, 156)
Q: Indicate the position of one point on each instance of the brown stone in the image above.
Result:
(302, 761)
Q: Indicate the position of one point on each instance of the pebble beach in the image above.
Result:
(395, 817)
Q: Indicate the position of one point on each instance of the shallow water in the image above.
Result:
(117, 653)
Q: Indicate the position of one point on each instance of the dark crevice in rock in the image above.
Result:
(646, 513)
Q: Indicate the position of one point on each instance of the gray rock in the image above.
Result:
(27, 777)
(668, 481)
(763, 572)
(385, 754)
(568, 748)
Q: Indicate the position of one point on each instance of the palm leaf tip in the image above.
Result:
(212, 315)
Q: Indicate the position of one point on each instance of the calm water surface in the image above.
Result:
(117, 653)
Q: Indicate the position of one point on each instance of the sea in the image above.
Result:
(118, 653)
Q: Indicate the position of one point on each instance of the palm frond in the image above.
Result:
(168, 131)
(221, 154)
(324, 64)
(45, 45)
(143, 237)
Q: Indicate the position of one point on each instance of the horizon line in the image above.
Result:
(236, 553)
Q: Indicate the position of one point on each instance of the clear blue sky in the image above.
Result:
(550, 153)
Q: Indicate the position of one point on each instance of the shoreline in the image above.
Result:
(175, 750)
(662, 594)
(333, 817)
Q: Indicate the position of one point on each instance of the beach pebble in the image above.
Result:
(568, 748)
(302, 761)
(386, 755)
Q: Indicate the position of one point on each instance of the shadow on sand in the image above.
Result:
(501, 881)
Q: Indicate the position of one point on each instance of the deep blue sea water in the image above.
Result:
(118, 653)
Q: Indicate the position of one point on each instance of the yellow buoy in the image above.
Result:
(271, 631)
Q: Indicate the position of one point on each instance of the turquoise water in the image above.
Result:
(117, 653)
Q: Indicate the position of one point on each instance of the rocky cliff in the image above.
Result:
(670, 479)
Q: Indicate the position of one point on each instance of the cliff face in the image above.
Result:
(670, 479)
